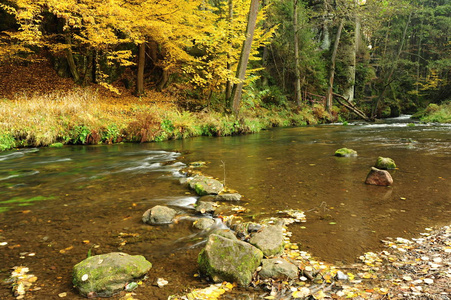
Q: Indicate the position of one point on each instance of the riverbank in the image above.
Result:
(417, 268)
(39, 108)
(84, 116)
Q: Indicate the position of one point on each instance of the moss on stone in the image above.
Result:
(229, 260)
(385, 163)
(345, 152)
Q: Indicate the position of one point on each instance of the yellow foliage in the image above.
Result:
(221, 47)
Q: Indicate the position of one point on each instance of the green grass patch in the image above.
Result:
(26, 201)
(4, 209)
(435, 113)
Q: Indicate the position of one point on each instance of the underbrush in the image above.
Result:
(80, 117)
(434, 113)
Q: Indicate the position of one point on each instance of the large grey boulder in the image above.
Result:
(385, 163)
(159, 215)
(205, 186)
(106, 274)
(278, 268)
(269, 240)
(379, 177)
(224, 259)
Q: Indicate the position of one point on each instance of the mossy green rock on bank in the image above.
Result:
(345, 152)
(224, 259)
(385, 163)
(107, 274)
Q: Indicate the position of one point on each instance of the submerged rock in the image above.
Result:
(205, 186)
(278, 268)
(269, 240)
(224, 259)
(379, 177)
(228, 197)
(159, 215)
(385, 163)
(203, 223)
(106, 274)
(345, 152)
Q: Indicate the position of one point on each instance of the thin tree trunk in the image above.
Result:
(244, 58)
(388, 79)
(297, 83)
(71, 60)
(141, 65)
(417, 84)
(228, 93)
(332, 68)
(350, 87)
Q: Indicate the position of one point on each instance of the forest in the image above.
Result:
(250, 64)
(103, 192)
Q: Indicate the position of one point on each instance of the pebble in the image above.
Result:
(62, 295)
(161, 282)
(428, 281)
(342, 276)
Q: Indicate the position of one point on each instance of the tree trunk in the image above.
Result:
(141, 65)
(71, 60)
(332, 68)
(351, 68)
(244, 58)
(163, 80)
(388, 79)
(297, 83)
(228, 93)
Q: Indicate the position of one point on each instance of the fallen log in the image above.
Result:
(351, 107)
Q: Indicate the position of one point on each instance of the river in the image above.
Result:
(58, 204)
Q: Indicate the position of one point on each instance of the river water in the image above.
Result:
(62, 203)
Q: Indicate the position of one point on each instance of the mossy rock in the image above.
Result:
(56, 145)
(205, 186)
(107, 274)
(269, 240)
(385, 163)
(345, 152)
(225, 259)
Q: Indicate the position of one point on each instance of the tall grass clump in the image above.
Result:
(435, 113)
(41, 120)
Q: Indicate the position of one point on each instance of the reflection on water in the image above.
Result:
(274, 170)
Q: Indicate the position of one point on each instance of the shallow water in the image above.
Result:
(54, 199)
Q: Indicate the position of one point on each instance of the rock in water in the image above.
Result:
(203, 223)
(269, 239)
(345, 152)
(224, 259)
(205, 186)
(278, 268)
(204, 207)
(158, 215)
(228, 197)
(379, 177)
(106, 274)
(385, 163)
